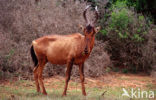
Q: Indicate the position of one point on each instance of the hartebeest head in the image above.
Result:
(89, 31)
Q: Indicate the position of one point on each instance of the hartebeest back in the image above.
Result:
(64, 49)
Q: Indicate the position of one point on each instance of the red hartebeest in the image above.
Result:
(64, 49)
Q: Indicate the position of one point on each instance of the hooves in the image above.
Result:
(63, 95)
(84, 93)
(44, 93)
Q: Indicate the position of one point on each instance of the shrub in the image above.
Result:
(126, 32)
(146, 7)
(126, 23)
(22, 21)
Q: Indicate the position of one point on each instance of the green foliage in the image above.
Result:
(119, 4)
(10, 54)
(103, 31)
(120, 19)
(124, 70)
(145, 6)
(115, 69)
(126, 32)
(137, 37)
(108, 69)
(123, 20)
(141, 18)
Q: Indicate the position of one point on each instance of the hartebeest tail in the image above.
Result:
(33, 56)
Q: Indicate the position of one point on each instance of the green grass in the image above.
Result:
(22, 93)
(92, 94)
(25, 90)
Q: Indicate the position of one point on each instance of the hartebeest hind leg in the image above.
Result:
(68, 73)
(81, 70)
(39, 71)
(36, 78)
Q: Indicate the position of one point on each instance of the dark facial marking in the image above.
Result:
(89, 28)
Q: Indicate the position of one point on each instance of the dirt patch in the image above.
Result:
(108, 80)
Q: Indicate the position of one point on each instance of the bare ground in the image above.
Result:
(112, 80)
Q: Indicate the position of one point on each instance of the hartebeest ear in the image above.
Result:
(97, 29)
(81, 27)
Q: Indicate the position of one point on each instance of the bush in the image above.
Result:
(126, 32)
(22, 21)
(146, 7)
(126, 23)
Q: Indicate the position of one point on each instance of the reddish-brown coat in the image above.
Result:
(63, 49)
(59, 48)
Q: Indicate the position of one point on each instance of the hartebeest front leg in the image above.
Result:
(81, 70)
(68, 73)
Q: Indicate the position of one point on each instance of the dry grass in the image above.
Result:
(112, 83)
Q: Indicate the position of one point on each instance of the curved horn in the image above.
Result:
(84, 14)
(97, 15)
